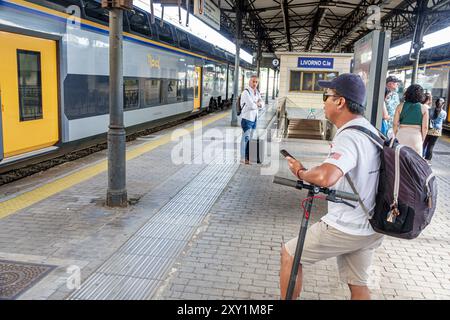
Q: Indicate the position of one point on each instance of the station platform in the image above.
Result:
(200, 225)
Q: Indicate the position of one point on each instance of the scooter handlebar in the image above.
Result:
(295, 184)
(346, 195)
(285, 182)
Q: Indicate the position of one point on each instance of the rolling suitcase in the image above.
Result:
(256, 150)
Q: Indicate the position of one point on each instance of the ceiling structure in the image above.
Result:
(323, 25)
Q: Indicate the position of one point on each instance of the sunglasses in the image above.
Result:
(325, 96)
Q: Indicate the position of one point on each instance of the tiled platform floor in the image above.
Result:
(234, 250)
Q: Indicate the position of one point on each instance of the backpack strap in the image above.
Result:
(379, 142)
(376, 139)
(363, 206)
(242, 108)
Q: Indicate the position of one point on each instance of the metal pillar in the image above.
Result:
(273, 84)
(234, 122)
(417, 43)
(267, 87)
(226, 87)
(258, 59)
(415, 68)
(277, 73)
(117, 193)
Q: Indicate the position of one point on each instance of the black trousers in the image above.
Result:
(428, 146)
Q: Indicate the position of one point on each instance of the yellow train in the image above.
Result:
(54, 76)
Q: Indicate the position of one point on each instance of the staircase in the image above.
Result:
(306, 129)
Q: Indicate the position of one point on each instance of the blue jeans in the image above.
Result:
(248, 127)
(384, 127)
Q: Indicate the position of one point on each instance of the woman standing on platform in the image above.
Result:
(411, 119)
(437, 116)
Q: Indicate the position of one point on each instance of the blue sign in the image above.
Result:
(315, 63)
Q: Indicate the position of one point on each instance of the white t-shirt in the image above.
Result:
(354, 153)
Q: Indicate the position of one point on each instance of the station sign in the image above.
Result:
(315, 63)
(208, 12)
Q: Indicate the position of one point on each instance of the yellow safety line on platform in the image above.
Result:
(29, 198)
(445, 138)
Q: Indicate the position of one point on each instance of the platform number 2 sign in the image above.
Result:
(374, 18)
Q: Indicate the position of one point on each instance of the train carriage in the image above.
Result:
(54, 76)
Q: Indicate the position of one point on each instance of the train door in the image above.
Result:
(197, 87)
(29, 93)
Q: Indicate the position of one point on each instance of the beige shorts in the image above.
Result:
(353, 253)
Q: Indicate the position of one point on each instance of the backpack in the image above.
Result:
(238, 104)
(407, 190)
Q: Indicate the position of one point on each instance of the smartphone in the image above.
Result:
(286, 154)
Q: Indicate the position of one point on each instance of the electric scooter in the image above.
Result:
(331, 195)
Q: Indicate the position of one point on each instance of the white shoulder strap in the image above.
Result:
(363, 206)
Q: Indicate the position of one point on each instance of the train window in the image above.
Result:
(139, 22)
(190, 83)
(181, 90)
(59, 5)
(201, 46)
(152, 92)
(195, 43)
(30, 87)
(164, 32)
(295, 81)
(131, 93)
(183, 39)
(94, 10)
(207, 48)
(172, 88)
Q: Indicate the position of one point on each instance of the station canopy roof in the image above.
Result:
(322, 25)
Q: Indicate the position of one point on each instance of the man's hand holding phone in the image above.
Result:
(294, 165)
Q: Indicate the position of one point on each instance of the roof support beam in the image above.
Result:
(255, 20)
(299, 5)
(352, 20)
(316, 22)
(284, 8)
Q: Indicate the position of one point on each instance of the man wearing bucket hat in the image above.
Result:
(344, 232)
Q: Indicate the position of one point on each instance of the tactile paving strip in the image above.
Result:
(17, 277)
(137, 269)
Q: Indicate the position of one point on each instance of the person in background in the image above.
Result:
(385, 115)
(251, 102)
(392, 100)
(411, 119)
(428, 101)
(437, 116)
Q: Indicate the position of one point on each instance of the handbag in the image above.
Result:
(434, 132)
